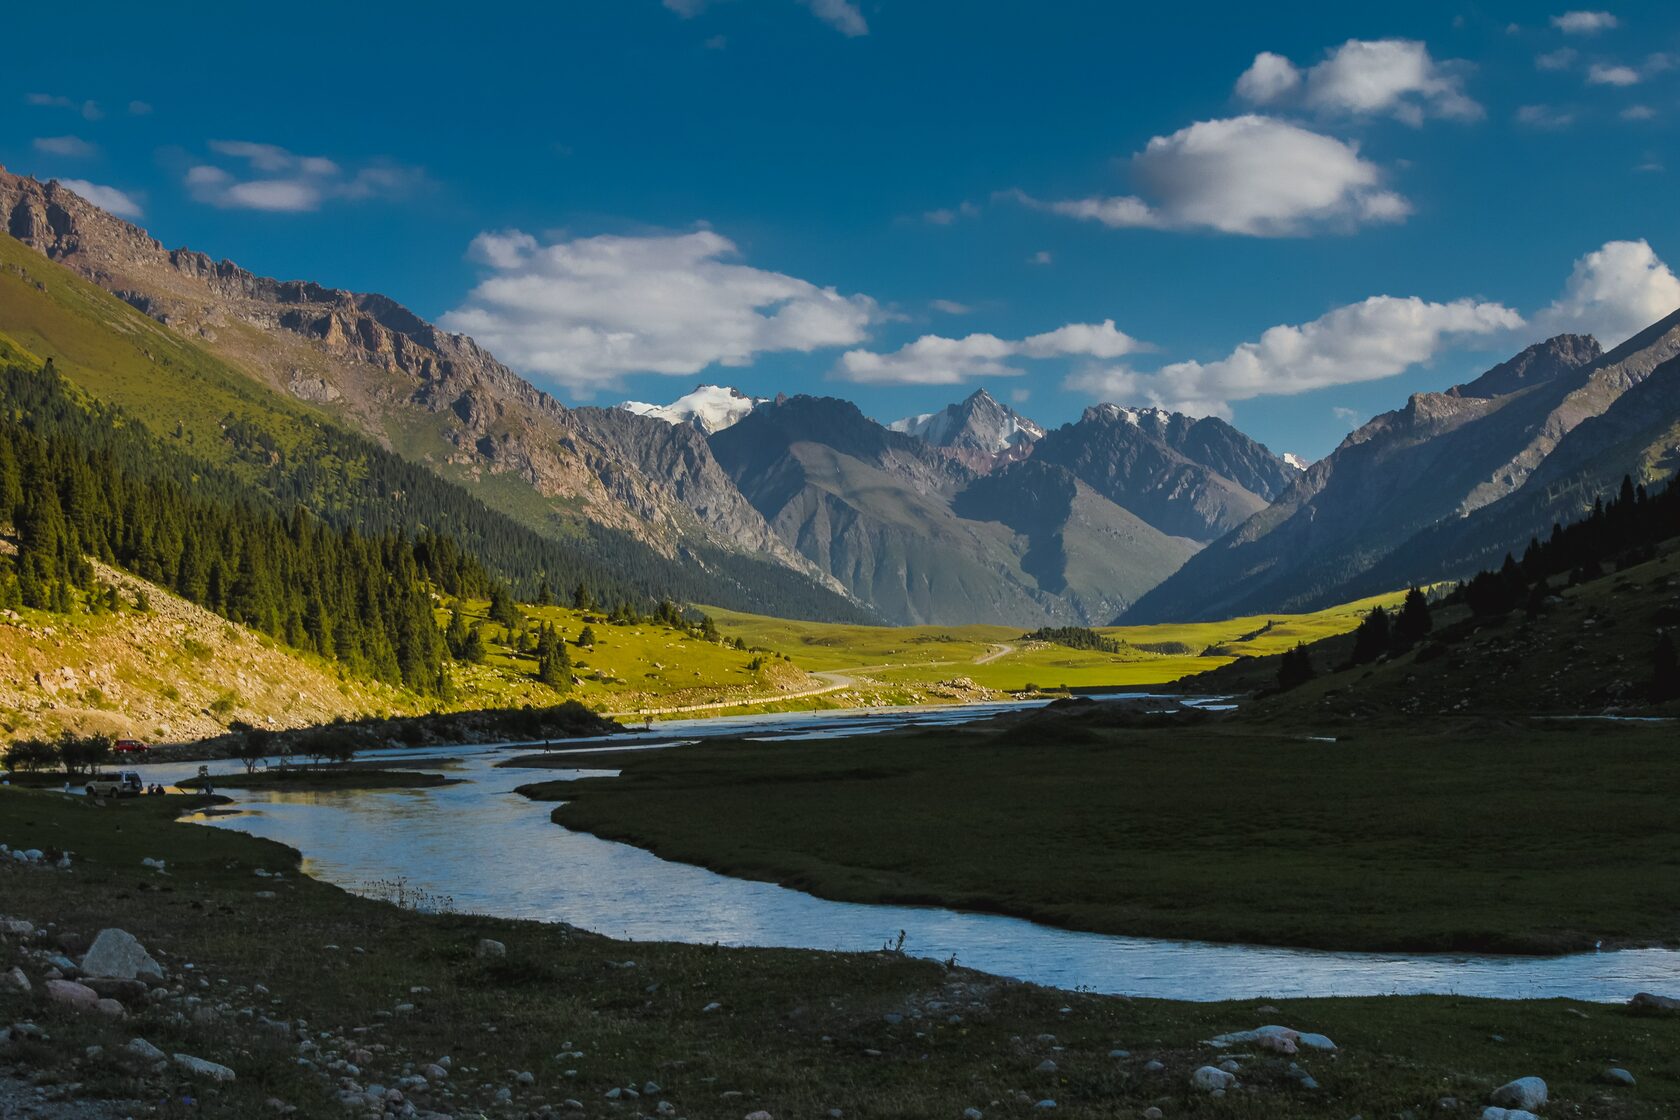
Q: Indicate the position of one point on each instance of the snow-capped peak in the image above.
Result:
(981, 422)
(711, 408)
(1295, 461)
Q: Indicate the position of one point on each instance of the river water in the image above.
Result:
(491, 851)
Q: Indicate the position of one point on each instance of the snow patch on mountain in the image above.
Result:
(711, 408)
(1295, 460)
(981, 422)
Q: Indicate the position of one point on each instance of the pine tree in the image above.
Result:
(581, 598)
(1373, 637)
(1413, 622)
(586, 638)
(1295, 667)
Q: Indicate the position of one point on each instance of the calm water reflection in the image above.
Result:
(494, 852)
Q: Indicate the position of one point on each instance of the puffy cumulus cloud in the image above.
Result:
(1585, 23)
(1367, 341)
(117, 202)
(1561, 59)
(1252, 175)
(73, 147)
(1269, 78)
(936, 360)
(1364, 77)
(585, 311)
(1613, 293)
(271, 178)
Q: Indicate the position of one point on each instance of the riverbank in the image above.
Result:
(1472, 836)
(324, 778)
(720, 1033)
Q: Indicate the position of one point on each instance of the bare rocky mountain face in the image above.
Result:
(925, 538)
(1432, 490)
(426, 393)
(980, 431)
(1190, 478)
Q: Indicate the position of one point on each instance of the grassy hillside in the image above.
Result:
(171, 672)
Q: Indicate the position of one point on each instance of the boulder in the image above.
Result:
(1492, 1112)
(1211, 1078)
(1615, 1075)
(1524, 1094)
(1647, 1001)
(117, 955)
(111, 1008)
(70, 994)
(15, 981)
(17, 927)
(199, 1067)
(488, 948)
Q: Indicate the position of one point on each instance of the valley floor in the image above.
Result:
(556, 1021)
(1473, 835)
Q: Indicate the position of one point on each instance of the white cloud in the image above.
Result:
(1367, 341)
(70, 146)
(1585, 23)
(950, 307)
(90, 110)
(117, 202)
(950, 215)
(1613, 292)
(139, 108)
(1364, 77)
(1252, 175)
(1561, 59)
(278, 180)
(1268, 78)
(1601, 74)
(1545, 116)
(842, 15)
(1041, 257)
(585, 311)
(1638, 113)
(936, 360)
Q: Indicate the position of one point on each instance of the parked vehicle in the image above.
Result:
(131, 746)
(124, 783)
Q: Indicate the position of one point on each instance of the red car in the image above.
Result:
(131, 746)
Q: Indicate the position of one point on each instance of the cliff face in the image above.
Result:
(431, 395)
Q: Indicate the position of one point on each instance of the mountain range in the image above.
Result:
(803, 505)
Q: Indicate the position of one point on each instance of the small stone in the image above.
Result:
(1211, 1079)
(1615, 1075)
(1154, 1066)
(1045, 1104)
(1494, 1112)
(650, 1089)
(1644, 1001)
(73, 995)
(1119, 1053)
(973, 1114)
(199, 1067)
(526, 1077)
(1046, 1066)
(488, 948)
(15, 981)
(760, 1115)
(714, 1006)
(1152, 1113)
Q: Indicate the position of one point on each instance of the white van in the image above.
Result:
(124, 783)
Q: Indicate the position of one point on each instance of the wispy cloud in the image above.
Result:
(1602, 74)
(1585, 22)
(842, 15)
(936, 360)
(73, 147)
(89, 110)
(269, 177)
(1545, 116)
(120, 203)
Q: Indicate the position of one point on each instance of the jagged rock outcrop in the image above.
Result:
(979, 431)
(1189, 478)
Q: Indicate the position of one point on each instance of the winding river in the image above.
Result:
(489, 850)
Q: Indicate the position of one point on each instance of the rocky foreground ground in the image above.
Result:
(161, 970)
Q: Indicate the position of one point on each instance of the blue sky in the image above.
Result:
(1073, 202)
